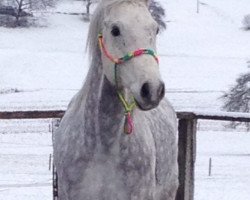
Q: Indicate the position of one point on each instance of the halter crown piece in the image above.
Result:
(128, 124)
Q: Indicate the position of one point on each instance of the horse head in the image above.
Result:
(128, 44)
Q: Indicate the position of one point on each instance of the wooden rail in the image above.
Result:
(222, 116)
(44, 114)
(186, 142)
(37, 114)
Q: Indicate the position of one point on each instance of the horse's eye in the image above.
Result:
(158, 30)
(115, 31)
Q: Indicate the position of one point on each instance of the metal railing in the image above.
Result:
(186, 143)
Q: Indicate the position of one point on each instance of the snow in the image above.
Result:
(24, 169)
(202, 71)
(25, 173)
(201, 55)
(230, 155)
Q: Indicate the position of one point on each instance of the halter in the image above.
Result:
(128, 125)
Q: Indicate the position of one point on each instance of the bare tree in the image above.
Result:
(237, 99)
(21, 6)
(24, 8)
(88, 4)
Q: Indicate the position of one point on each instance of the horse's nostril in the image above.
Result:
(145, 91)
(161, 90)
(152, 95)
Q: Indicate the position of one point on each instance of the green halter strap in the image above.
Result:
(128, 125)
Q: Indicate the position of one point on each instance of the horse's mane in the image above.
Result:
(96, 24)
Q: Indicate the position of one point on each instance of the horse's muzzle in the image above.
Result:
(151, 95)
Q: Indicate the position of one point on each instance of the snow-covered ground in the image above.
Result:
(200, 57)
(230, 154)
(24, 158)
(24, 169)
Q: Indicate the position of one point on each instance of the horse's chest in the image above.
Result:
(137, 160)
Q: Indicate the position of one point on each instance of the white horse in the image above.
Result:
(118, 138)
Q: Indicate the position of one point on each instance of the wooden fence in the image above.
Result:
(187, 139)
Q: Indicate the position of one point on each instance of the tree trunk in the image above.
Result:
(19, 11)
(88, 9)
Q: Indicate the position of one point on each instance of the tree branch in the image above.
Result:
(17, 2)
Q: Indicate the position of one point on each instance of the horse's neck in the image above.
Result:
(102, 108)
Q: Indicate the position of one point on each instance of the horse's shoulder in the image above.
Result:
(164, 130)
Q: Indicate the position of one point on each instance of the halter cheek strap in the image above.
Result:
(128, 125)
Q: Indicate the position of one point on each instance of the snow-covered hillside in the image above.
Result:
(200, 55)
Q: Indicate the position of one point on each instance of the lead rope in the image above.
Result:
(128, 108)
(128, 124)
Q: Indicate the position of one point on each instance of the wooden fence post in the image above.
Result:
(198, 6)
(210, 167)
(186, 158)
(55, 124)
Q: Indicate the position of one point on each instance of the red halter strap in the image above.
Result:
(128, 56)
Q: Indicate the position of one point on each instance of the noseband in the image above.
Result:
(128, 125)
